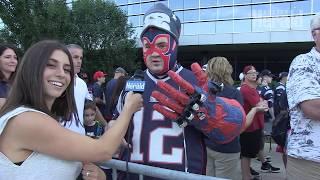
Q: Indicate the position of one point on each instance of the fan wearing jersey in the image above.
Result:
(155, 138)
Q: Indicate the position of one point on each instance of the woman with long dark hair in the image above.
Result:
(33, 144)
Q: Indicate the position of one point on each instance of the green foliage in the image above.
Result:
(97, 25)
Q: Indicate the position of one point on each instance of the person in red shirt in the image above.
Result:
(251, 138)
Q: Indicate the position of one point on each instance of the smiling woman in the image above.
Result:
(42, 95)
(8, 64)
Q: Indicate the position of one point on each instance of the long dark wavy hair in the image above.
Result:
(28, 90)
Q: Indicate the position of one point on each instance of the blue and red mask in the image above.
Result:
(160, 43)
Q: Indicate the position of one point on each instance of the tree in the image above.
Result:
(102, 29)
(98, 26)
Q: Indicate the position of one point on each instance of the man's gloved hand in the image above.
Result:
(220, 119)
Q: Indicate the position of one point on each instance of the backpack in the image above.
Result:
(280, 127)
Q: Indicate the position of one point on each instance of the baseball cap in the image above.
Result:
(161, 17)
(248, 68)
(98, 74)
(120, 70)
(266, 72)
(283, 74)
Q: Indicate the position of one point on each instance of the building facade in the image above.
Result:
(259, 32)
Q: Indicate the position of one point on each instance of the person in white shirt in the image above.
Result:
(303, 89)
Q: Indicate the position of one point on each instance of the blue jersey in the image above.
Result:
(160, 142)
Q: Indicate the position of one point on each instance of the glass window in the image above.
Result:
(225, 2)
(261, 25)
(133, 1)
(191, 15)
(176, 4)
(190, 29)
(261, 10)
(242, 11)
(133, 9)
(224, 27)
(164, 2)
(278, 9)
(206, 27)
(208, 3)
(121, 2)
(280, 24)
(242, 1)
(180, 15)
(208, 14)
(258, 1)
(191, 4)
(225, 13)
(301, 7)
(146, 6)
(134, 20)
(316, 6)
(241, 26)
(300, 22)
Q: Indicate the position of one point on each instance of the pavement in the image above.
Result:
(276, 161)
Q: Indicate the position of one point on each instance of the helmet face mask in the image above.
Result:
(159, 49)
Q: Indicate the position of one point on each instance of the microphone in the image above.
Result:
(136, 83)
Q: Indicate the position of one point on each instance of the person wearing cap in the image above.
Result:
(251, 138)
(303, 90)
(108, 91)
(157, 140)
(99, 78)
(267, 94)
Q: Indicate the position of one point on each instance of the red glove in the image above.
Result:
(218, 118)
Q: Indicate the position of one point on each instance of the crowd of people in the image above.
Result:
(195, 121)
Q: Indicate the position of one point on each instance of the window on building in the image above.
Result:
(259, 1)
(301, 7)
(261, 10)
(176, 4)
(191, 4)
(191, 15)
(133, 1)
(225, 2)
(242, 1)
(206, 27)
(121, 2)
(146, 6)
(280, 24)
(242, 11)
(208, 14)
(279, 9)
(316, 6)
(300, 22)
(164, 2)
(180, 15)
(190, 28)
(224, 26)
(261, 24)
(133, 9)
(134, 20)
(225, 13)
(242, 26)
(208, 3)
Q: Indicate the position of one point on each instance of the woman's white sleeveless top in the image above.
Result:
(37, 165)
